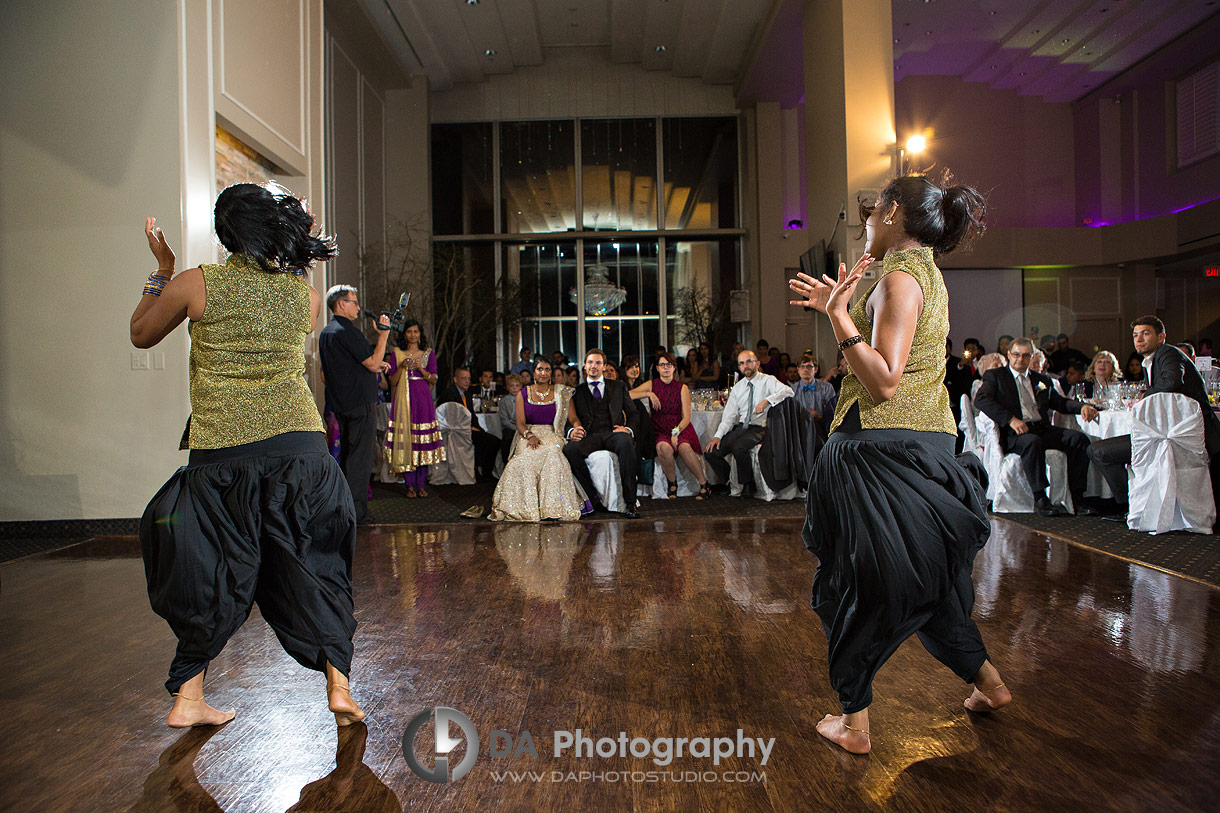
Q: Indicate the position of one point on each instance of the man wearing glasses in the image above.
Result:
(350, 367)
(1019, 400)
(744, 422)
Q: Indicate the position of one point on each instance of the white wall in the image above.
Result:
(109, 117)
(984, 304)
(88, 148)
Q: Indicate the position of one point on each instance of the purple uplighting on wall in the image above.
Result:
(1089, 222)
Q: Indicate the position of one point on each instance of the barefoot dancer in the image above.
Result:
(261, 512)
(893, 518)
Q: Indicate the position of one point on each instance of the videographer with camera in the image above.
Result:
(350, 367)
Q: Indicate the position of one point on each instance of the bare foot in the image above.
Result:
(340, 702)
(834, 729)
(187, 713)
(989, 700)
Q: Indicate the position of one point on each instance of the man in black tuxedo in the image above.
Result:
(600, 416)
(1019, 400)
(959, 376)
(1166, 369)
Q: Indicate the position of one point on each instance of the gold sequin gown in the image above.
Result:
(537, 483)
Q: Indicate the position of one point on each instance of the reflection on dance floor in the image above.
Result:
(660, 629)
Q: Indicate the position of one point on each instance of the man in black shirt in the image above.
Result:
(350, 367)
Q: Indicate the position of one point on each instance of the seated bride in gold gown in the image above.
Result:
(537, 482)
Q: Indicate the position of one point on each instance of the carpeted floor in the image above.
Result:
(1194, 556)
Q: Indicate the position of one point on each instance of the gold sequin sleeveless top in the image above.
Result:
(248, 357)
(921, 401)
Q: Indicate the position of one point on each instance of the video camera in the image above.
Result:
(398, 319)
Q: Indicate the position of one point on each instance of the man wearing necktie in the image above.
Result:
(1019, 400)
(486, 446)
(744, 421)
(601, 415)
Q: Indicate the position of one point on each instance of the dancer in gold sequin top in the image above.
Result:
(893, 518)
(261, 512)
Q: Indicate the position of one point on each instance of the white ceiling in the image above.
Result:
(1055, 49)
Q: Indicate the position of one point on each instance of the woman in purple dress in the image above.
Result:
(671, 423)
(413, 440)
(537, 482)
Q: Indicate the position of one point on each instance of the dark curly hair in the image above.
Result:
(270, 226)
(939, 215)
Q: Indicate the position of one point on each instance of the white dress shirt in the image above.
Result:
(1025, 393)
(762, 387)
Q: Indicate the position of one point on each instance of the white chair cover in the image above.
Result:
(603, 468)
(453, 420)
(761, 490)
(688, 486)
(1007, 487)
(970, 431)
(1172, 489)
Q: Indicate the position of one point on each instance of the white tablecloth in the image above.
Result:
(491, 423)
(705, 423)
(1110, 423)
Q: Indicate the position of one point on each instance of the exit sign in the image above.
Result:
(1212, 271)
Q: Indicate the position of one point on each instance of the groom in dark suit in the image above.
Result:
(600, 416)
(1019, 401)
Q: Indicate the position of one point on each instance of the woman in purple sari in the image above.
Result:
(413, 440)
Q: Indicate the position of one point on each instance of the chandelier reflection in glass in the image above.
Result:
(601, 295)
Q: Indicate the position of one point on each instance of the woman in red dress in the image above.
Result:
(671, 421)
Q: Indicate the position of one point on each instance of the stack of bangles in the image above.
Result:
(156, 283)
(846, 343)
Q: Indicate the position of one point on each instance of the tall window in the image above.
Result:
(603, 225)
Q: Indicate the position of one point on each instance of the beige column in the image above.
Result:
(849, 122)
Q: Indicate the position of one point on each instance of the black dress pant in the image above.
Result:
(621, 444)
(737, 442)
(357, 450)
(1033, 445)
(486, 447)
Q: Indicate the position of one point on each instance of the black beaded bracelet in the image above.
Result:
(846, 343)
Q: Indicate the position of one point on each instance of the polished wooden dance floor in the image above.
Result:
(674, 628)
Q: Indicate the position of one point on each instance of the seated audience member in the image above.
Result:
(987, 361)
(486, 446)
(784, 361)
(791, 375)
(835, 378)
(1019, 400)
(691, 368)
(1063, 355)
(1134, 371)
(818, 397)
(1187, 349)
(558, 361)
(972, 349)
(572, 377)
(500, 382)
(709, 369)
(1205, 347)
(645, 441)
(671, 424)
(959, 375)
(611, 370)
(1166, 370)
(1073, 377)
(1002, 344)
(744, 422)
(1101, 375)
(762, 352)
(601, 414)
(527, 378)
(1049, 345)
(487, 385)
(731, 375)
(1039, 364)
(508, 414)
(526, 362)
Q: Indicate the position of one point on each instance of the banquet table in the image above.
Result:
(1110, 423)
(491, 423)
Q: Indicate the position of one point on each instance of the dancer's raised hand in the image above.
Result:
(829, 294)
(158, 246)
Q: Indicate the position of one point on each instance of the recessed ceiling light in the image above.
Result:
(661, 49)
(489, 51)
(1066, 41)
(472, 2)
